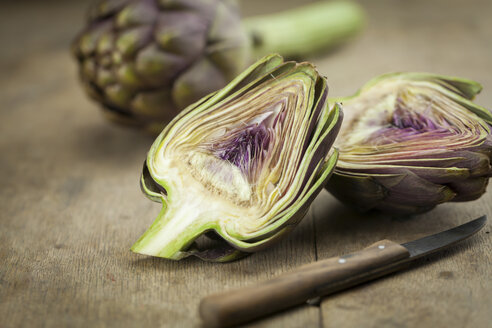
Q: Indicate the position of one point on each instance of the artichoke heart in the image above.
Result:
(245, 162)
(411, 141)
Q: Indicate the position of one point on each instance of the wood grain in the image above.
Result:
(320, 278)
(70, 205)
(451, 289)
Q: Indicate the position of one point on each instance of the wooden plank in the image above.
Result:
(72, 207)
(442, 37)
(451, 289)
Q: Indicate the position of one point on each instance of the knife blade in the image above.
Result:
(324, 277)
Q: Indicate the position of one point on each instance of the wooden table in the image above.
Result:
(70, 204)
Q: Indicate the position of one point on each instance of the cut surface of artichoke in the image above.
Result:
(245, 163)
(400, 119)
(411, 141)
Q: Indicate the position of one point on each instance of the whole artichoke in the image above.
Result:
(245, 162)
(411, 141)
(145, 60)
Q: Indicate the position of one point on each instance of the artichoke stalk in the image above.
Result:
(244, 162)
(145, 60)
(411, 141)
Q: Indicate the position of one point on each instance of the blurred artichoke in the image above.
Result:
(145, 60)
(245, 162)
(411, 141)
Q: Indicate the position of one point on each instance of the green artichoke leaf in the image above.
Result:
(245, 163)
(420, 127)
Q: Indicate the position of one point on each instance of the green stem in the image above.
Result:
(171, 233)
(303, 31)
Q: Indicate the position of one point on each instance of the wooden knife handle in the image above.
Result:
(312, 280)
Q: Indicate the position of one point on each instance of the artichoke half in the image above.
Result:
(146, 60)
(411, 141)
(245, 162)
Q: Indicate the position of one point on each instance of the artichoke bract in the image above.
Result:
(146, 60)
(244, 163)
(411, 141)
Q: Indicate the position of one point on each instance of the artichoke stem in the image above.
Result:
(173, 231)
(304, 31)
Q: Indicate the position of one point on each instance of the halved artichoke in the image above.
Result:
(245, 162)
(411, 141)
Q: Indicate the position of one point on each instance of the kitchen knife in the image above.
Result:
(324, 277)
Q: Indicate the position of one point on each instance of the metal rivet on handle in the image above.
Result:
(342, 260)
(381, 246)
